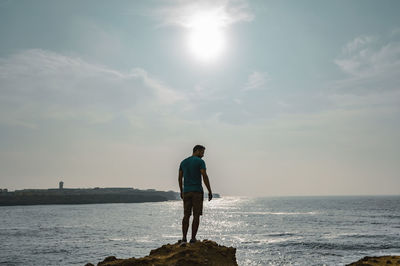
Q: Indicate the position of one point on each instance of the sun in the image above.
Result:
(206, 39)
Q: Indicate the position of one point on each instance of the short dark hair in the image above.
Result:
(198, 147)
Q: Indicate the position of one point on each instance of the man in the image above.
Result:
(190, 170)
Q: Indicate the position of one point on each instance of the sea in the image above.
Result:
(265, 231)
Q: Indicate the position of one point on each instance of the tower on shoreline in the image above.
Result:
(61, 185)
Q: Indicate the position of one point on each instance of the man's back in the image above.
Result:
(191, 172)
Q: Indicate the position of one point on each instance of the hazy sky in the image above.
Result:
(289, 97)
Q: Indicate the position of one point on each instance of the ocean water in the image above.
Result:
(265, 231)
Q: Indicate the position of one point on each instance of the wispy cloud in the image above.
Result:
(165, 94)
(368, 57)
(357, 44)
(257, 80)
(180, 13)
(372, 66)
(39, 84)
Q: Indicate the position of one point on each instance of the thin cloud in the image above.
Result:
(367, 58)
(38, 84)
(180, 13)
(164, 94)
(357, 44)
(372, 66)
(257, 80)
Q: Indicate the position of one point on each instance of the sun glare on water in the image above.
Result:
(206, 39)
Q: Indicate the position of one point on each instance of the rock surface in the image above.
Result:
(208, 252)
(377, 261)
(204, 252)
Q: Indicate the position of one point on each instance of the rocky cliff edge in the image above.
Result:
(208, 252)
(204, 252)
(377, 261)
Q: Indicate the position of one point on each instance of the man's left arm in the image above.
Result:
(206, 182)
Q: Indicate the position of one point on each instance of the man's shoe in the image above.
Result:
(193, 241)
(182, 242)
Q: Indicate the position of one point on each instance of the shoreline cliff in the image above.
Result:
(84, 196)
(96, 195)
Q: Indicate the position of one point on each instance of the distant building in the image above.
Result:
(61, 185)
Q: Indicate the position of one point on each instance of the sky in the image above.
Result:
(288, 97)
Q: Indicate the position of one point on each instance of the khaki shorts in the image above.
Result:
(193, 200)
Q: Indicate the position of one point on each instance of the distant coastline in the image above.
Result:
(96, 195)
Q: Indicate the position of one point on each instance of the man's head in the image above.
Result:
(198, 151)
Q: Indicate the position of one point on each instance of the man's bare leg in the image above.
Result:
(185, 226)
(195, 226)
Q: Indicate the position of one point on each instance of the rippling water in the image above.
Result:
(265, 231)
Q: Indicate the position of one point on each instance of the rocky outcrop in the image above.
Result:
(377, 261)
(204, 252)
(208, 252)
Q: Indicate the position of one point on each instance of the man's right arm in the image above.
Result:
(206, 182)
(180, 178)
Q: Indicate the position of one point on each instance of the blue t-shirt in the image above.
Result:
(191, 173)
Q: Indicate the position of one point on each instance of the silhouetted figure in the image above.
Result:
(190, 171)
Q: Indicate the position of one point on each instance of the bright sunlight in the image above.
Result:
(206, 39)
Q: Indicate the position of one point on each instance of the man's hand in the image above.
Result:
(209, 196)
